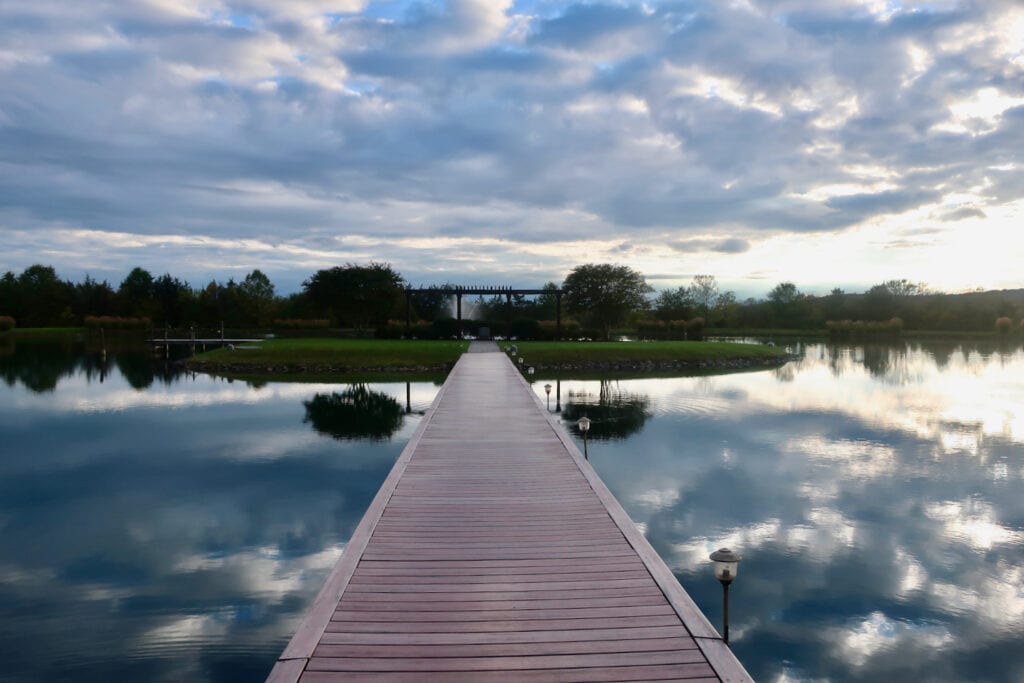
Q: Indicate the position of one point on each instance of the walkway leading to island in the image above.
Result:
(493, 552)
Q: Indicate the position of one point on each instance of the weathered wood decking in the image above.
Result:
(494, 553)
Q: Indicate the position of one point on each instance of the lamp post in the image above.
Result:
(726, 565)
(584, 425)
(547, 390)
(530, 370)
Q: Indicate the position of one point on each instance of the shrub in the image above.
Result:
(695, 328)
(843, 328)
(1004, 325)
(525, 328)
(651, 329)
(445, 328)
(303, 324)
(7, 323)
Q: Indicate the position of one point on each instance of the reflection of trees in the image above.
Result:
(614, 415)
(40, 364)
(355, 413)
(138, 371)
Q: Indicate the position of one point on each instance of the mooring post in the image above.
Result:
(408, 401)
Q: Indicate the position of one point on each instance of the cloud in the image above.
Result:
(254, 120)
(731, 245)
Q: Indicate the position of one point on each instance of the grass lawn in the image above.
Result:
(556, 353)
(352, 353)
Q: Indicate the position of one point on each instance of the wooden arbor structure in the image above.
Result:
(459, 292)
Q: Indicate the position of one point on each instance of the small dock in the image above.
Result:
(494, 553)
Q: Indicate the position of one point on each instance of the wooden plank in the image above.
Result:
(682, 672)
(508, 595)
(425, 664)
(350, 614)
(507, 649)
(531, 637)
(519, 605)
(499, 626)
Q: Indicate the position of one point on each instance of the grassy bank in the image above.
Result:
(322, 356)
(553, 354)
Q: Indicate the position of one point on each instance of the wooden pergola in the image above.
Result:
(458, 293)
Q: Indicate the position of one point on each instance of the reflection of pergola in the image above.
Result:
(489, 291)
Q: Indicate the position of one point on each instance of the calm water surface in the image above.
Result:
(874, 491)
(160, 526)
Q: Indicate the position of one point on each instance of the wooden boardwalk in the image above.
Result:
(493, 552)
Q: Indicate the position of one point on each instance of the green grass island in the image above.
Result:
(309, 358)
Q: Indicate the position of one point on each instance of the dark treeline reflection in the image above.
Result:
(357, 412)
(40, 364)
(613, 414)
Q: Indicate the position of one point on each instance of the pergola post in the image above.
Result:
(458, 309)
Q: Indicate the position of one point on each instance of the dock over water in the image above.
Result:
(494, 553)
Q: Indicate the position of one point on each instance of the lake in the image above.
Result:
(157, 525)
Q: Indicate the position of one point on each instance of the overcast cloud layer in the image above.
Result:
(827, 142)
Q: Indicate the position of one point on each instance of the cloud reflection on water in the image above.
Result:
(174, 533)
(874, 492)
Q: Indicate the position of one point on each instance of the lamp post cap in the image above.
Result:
(725, 555)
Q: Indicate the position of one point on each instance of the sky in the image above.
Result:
(827, 142)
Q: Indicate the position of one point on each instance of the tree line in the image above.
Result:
(597, 299)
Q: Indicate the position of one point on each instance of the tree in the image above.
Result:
(44, 297)
(605, 293)
(546, 304)
(704, 292)
(674, 304)
(726, 311)
(785, 300)
(95, 298)
(257, 294)
(784, 293)
(136, 293)
(170, 295)
(900, 288)
(356, 295)
(432, 303)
